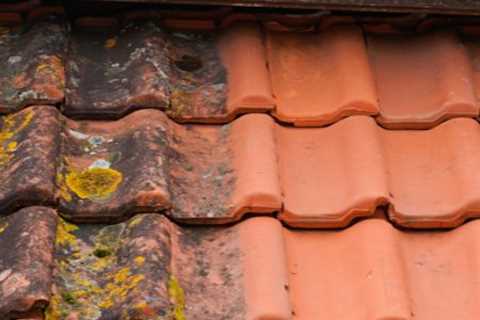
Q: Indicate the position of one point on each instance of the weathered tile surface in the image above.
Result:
(146, 268)
(32, 64)
(26, 261)
(110, 72)
(29, 142)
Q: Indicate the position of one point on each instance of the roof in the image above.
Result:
(155, 166)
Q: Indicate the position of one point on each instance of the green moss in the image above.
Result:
(102, 252)
(69, 298)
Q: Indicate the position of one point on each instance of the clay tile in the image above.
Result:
(228, 79)
(373, 271)
(421, 79)
(331, 175)
(28, 153)
(148, 267)
(318, 78)
(26, 261)
(31, 66)
(239, 176)
(111, 169)
(434, 186)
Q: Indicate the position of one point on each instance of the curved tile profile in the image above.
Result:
(319, 78)
(31, 64)
(28, 154)
(26, 261)
(147, 163)
(373, 271)
(229, 78)
(147, 268)
(331, 175)
(421, 79)
(111, 72)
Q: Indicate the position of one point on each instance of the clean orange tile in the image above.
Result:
(421, 79)
(373, 271)
(331, 175)
(318, 78)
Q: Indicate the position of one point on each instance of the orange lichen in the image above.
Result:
(110, 43)
(94, 183)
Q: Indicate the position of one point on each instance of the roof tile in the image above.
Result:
(28, 156)
(32, 61)
(257, 269)
(319, 78)
(315, 177)
(168, 72)
(111, 72)
(373, 271)
(331, 175)
(26, 261)
(422, 79)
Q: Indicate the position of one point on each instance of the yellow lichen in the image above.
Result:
(62, 188)
(64, 235)
(11, 126)
(53, 312)
(123, 282)
(3, 227)
(139, 260)
(94, 183)
(177, 296)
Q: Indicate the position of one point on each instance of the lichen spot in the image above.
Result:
(94, 183)
(177, 297)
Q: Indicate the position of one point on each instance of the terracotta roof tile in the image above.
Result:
(230, 76)
(257, 269)
(422, 79)
(26, 261)
(359, 166)
(28, 157)
(31, 64)
(372, 271)
(319, 78)
(315, 177)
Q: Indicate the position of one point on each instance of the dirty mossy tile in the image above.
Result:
(26, 261)
(32, 64)
(29, 142)
(145, 268)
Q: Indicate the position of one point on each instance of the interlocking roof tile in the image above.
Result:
(315, 177)
(31, 64)
(143, 65)
(422, 79)
(319, 78)
(372, 271)
(257, 269)
(26, 261)
(28, 157)
(105, 171)
(331, 175)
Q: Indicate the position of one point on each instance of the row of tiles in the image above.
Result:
(150, 268)
(313, 177)
(307, 79)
